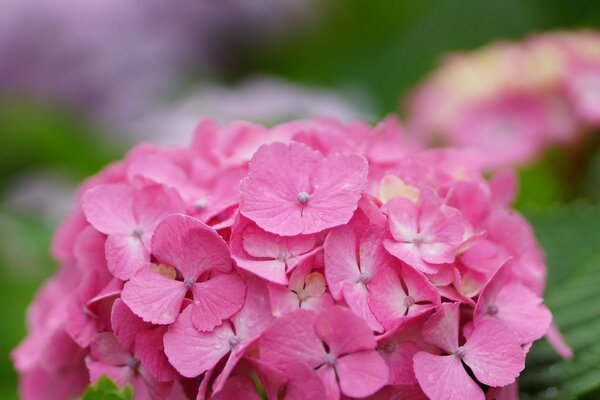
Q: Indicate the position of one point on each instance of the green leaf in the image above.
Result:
(105, 389)
(571, 237)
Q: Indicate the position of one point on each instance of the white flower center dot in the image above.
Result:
(460, 353)
(137, 232)
(234, 341)
(365, 277)
(330, 359)
(492, 309)
(188, 282)
(303, 197)
(409, 301)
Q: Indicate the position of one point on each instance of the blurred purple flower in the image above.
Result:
(113, 58)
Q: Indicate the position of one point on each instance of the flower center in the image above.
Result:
(303, 197)
(460, 353)
(201, 204)
(234, 341)
(137, 232)
(365, 277)
(492, 309)
(389, 347)
(330, 359)
(133, 363)
(284, 256)
(408, 301)
(418, 239)
(188, 282)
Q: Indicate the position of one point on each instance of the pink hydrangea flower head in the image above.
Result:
(305, 257)
(292, 189)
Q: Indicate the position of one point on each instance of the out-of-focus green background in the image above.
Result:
(379, 49)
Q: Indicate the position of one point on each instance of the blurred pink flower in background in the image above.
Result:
(512, 100)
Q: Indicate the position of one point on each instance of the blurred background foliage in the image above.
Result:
(378, 49)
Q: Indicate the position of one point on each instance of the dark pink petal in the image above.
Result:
(237, 388)
(361, 374)
(291, 339)
(399, 358)
(441, 329)
(120, 374)
(153, 296)
(125, 324)
(337, 183)
(109, 208)
(332, 326)
(192, 352)
(254, 317)
(510, 392)
(125, 255)
(444, 377)
(190, 246)
(216, 300)
(341, 262)
(149, 348)
(494, 354)
(400, 392)
(278, 173)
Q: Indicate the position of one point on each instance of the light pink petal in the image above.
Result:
(120, 374)
(278, 173)
(341, 265)
(317, 303)
(494, 354)
(420, 290)
(332, 326)
(329, 380)
(153, 203)
(403, 217)
(409, 253)
(125, 255)
(357, 297)
(192, 352)
(149, 348)
(283, 300)
(259, 243)
(387, 297)
(399, 358)
(362, 374)
(438, 253)
(153, 296)
(337, 183)
(255, 315)
(444, 377)
(271, 270)
(237, 388)
(441, 329)
(216, 300)
(109, 208)
(190, 246)
(372, 253)
(105, 349)
(291, 339)
(125, 324)
(558, 343)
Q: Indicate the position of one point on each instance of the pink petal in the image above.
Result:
(216, 300)
(291, 339)
(278, 173)
(420, 289)
(494, 354)
(444, 377)
(120, 374)
(329, 380)
(337, 182)
(108, 208)
(403, 217)
(125, 255)
(409, 253)
(105, 349)
(341, 265)
(254, 317)
(271, 270)
(149, 348)
(153, 203)
(125, 324)
(153, 296)
(514, 305)
(399, 360)
(332, 326)
(510, 392)
(259, 243)
(357, 295)
(305, 384)
(441, 329)
(282, 300)
(237, 387)
(190, 246)
(387, 297)
(192, 352)
(361, 374)
(400, 392)
(558, 343)
(372, 253)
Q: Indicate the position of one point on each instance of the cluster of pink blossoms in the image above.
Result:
(513, 100)
(321, 260)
